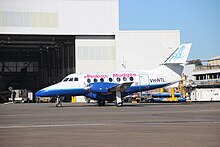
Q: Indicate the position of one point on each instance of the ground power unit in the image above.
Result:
(205, 94)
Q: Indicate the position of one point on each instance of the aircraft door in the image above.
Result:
(143, 79)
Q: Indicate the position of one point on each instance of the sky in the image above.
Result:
(197, 20)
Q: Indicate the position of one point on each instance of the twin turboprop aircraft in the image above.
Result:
(116, 85)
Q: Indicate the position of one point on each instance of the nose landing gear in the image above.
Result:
(59, 100)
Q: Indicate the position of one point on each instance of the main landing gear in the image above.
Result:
(101, 103)
(118, 102)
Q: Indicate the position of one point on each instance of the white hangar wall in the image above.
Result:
(95, 54)
(130, 50)
(143, 50)
(70, 17)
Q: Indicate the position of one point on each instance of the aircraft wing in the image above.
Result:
(121, 87)
(102, 87)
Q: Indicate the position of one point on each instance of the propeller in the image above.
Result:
(87, 86)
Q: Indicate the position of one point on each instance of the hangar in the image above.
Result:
(43, 41)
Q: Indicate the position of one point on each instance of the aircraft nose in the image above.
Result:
(40, 93)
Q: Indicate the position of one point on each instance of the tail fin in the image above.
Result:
(180, 55)
(173, 65)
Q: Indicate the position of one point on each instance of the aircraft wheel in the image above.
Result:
(101, 102)
(59, 105)
(119, 104)
(150, 100)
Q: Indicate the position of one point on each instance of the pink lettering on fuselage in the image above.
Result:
(95, 76)
(127, 75)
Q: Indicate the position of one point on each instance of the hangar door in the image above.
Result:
(35, 61)
(95, 54)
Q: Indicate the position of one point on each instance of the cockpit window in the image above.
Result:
(76, 79)
(66, 79)
(71, 79)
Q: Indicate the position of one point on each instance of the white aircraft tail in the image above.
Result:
(180, 55)
(175, 63)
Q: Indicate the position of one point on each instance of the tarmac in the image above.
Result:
(143, 124)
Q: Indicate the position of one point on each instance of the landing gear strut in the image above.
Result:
(59, 100)
(119, 102)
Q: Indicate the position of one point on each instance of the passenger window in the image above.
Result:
(88, 80)
(101, 80)
(131, 78)
(110, 79)
(118, 79)
(71, 79)
(76, 79)
(95, 80)
(124, 79)
(65, 80)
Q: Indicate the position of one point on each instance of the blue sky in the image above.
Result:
(198, 21)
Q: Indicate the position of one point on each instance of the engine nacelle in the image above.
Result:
(101, 87)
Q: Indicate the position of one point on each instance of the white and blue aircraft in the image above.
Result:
(116, 85)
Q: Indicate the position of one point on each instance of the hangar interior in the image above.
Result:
(35, 61)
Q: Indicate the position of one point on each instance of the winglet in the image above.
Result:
(180, 55)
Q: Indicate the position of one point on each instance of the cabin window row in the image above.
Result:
(118, 79)
(111, 79)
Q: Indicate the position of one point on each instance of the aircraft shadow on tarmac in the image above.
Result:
(113, 105)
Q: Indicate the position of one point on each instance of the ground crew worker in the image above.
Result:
(13, 93)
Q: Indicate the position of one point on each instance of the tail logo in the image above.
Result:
(178, 54)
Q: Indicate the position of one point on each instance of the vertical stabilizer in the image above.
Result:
(174, 64)
(180, 55)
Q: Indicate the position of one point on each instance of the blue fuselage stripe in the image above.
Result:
(61, 92)
(81, 91)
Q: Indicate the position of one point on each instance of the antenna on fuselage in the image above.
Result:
(124, 63)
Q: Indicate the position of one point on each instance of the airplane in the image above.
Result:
(113, 86)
